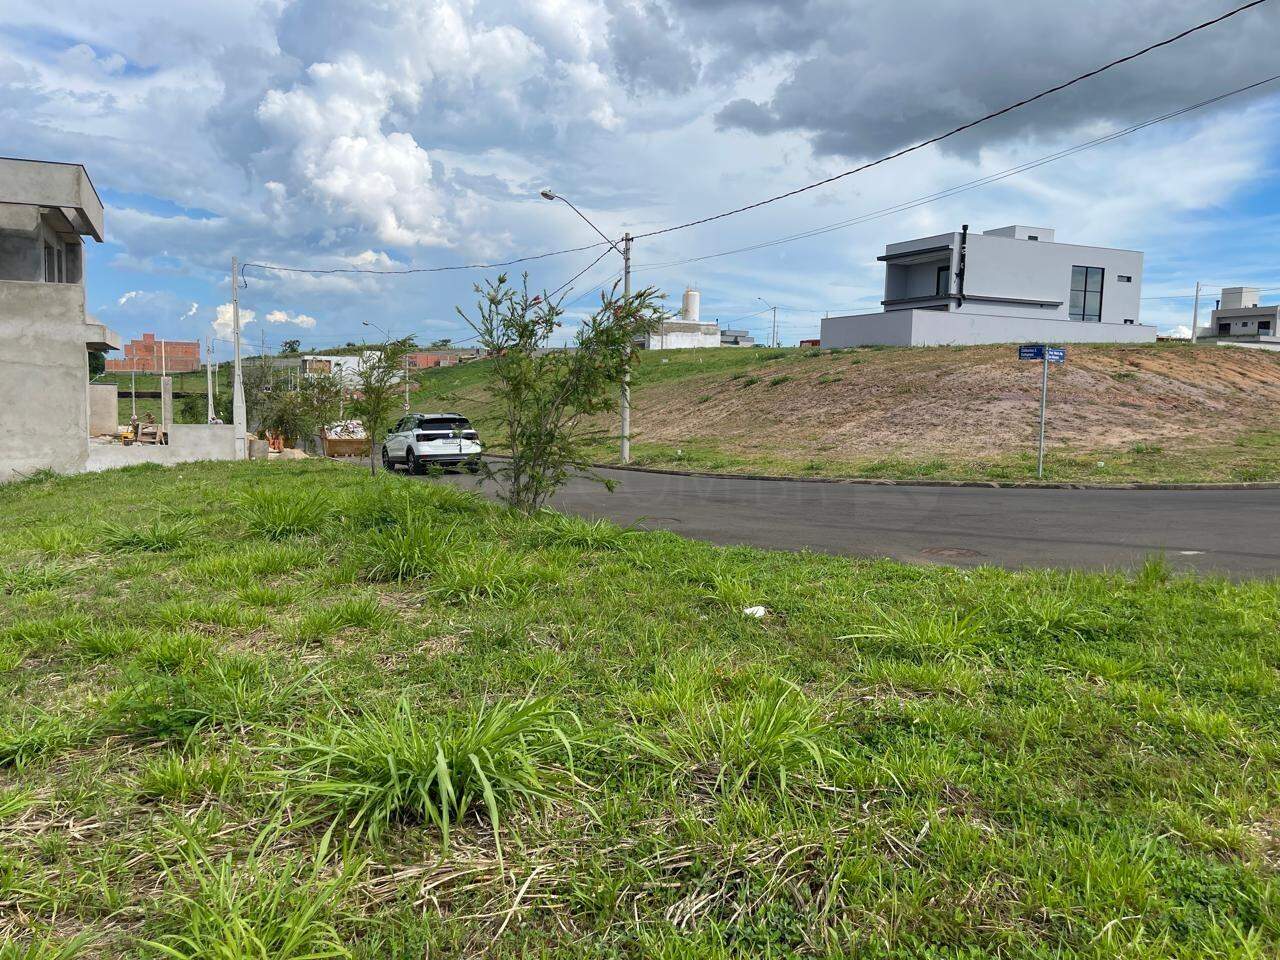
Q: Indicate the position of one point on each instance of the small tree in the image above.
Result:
(303, 411)
(545, 396)
(379, 386)
(291, 346)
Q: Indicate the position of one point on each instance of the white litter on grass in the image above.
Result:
(757, 612)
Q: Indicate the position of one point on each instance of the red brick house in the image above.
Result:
(150, 355)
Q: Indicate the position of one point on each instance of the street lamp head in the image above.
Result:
(546, 194)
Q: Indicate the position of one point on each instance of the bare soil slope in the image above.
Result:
(969, 401)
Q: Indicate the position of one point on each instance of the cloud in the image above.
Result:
(1181, 330)
(224, 325)
(849, 88)
(126, 297)
(300, 319)
(331, 129)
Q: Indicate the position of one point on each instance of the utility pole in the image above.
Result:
(775, 327)
(208, 377)
(406, 383)
(237, 380)
(1195, 314)
(626, 370)
(133, 387)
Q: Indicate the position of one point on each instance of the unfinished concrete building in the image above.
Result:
(45, 333)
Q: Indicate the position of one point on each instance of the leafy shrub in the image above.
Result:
(390, 765)
(779, 381)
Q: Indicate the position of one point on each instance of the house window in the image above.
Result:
(1086, 294)
(943, 286)
(62, 271)
(1128, 321)
(1224, 328)
(1264, 326)
(1032, 236)
(50, 264)
(1121, 278)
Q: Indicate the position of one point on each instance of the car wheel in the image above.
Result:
(386, 460)
(411, 458)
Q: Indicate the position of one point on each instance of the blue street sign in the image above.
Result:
(1036, 351)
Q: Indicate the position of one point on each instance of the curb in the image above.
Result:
(989, 484)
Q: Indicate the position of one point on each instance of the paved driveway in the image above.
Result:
(1235, 532)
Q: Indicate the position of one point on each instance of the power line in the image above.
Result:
(962, 187)
(408, 270)
(960, 129)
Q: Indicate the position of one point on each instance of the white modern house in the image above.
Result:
(1240, 321)
(1015, 284)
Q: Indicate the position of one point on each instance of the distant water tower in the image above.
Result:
(692, 305)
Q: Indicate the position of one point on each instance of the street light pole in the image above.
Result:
(773, 340)
(625, 252)
(1195, 314)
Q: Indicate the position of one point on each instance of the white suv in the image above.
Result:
(420, 440)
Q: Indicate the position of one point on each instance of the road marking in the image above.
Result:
(1191, 553)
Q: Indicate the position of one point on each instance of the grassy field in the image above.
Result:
(1164, 413)
(286, 710)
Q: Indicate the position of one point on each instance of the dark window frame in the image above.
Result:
(1227, 331)
(941, 289)
(1087, 277)
(50, 264)
(1124, 278)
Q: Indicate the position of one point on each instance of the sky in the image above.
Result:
(406, 134)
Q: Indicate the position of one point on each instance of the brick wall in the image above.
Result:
(144, 355)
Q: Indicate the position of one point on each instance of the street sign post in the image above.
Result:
(1046, 355)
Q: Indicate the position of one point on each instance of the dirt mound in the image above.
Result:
(971, 400)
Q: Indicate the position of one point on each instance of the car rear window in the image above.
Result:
(442, 423)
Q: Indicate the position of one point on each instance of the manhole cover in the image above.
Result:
(952, 553)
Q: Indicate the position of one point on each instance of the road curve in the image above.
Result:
(1231, 532)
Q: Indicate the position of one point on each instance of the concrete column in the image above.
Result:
(166, 405)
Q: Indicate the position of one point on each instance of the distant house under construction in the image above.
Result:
(149, 355)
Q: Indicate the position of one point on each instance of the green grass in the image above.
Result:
(413, 724)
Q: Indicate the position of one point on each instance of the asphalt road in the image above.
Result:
(1233, 532)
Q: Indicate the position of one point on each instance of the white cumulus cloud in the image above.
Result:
(299, 319)
(222, 323)
(342, 159)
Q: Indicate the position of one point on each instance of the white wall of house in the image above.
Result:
(1015, 279)
(935, 328)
